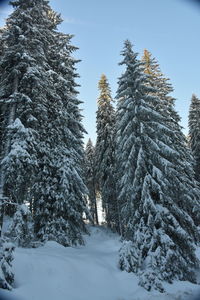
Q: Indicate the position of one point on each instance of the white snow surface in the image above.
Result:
(90, 272)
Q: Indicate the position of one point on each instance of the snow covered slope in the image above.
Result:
(54, 272)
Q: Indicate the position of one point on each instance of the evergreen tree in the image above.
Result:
(194, 133)
(6, 257)
(157, 197)
(23, 65)
(18, 163)
(161, 84)
(62, 211)
(160, 87)
(1, 108)
(43, 144)
(104, 153)
(20, 231)
(2, 132)
(90, 179)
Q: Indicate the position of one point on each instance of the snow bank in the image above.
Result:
(90, 272)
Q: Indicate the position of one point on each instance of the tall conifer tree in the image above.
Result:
(1, 107)
(90, 179)
(66, 153)
(157, 197)
(162, 89)
(105, 153)
(194, 133)
(43, 150)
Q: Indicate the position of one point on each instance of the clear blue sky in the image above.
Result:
(169, 29)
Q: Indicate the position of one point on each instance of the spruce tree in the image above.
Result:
(17, 69)
(157, 198)
(20, 231)
(90, 179)
(1, 107)
(161, 87)
(104, 153)
(2, 134)
(43, 144)
(60, 216)
(6, 258)
(194, 133)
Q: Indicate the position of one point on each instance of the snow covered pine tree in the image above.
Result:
(162, 89)
(104, 153)
(157, 197)
(194, 133)
(20, 231)
(43, 149)
(63, 218)
(89, 166)
(6, 257)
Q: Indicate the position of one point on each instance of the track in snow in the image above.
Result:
(90, 272)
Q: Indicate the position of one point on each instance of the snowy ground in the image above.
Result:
(53, 272)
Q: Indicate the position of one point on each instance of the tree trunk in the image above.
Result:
(96, 212)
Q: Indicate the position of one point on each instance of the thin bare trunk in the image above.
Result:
(119, 219)
(96, 212)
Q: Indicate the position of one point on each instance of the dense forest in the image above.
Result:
(142, 169)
